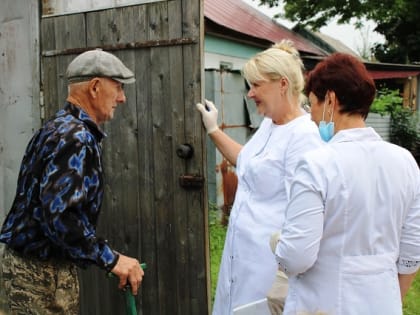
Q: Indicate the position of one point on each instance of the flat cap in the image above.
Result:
(98, 63)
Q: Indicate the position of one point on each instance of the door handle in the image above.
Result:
(185, 151)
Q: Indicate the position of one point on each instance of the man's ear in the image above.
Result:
(93, 87)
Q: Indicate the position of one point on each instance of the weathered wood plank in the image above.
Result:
(146, 164)
(162, 155)
(177, 107)
(69, 32)
(49, 68)
(197, 200)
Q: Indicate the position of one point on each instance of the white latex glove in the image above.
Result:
(274, 239)
(209, 116)
(276, 296)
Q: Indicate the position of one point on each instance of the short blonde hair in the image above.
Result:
(282, 60)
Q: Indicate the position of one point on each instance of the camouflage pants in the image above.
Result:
(35, 287)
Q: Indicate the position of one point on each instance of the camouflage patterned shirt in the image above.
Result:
(59, 193)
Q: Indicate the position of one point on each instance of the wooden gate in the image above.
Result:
(147, 213)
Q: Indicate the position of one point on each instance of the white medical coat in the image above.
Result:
(353, 224)
(264, 168)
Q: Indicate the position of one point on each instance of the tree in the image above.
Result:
(397, 20)
(366, 47)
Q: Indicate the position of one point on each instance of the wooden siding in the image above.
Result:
(19, 91)
(146, 213)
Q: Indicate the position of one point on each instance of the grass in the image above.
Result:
(412, 300)
(217, 241)
(411, 304)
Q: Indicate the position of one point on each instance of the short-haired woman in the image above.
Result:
(350, 243)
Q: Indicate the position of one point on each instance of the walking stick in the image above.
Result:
(130, 301)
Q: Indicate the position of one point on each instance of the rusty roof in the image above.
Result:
(239, 16)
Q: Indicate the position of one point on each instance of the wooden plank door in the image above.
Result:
(147, 213)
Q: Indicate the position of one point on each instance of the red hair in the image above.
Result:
(347, 76)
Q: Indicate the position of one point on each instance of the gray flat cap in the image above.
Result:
(98, 63)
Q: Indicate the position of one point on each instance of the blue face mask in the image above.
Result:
(326, 130)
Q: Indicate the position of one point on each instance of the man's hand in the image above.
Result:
(129, 271)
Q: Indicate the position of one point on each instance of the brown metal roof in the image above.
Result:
(387, 74)
(377, 70)
(243, 18)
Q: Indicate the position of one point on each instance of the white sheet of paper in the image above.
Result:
(259, 307)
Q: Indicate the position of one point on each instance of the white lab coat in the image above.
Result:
(264, 168)
(353, 224)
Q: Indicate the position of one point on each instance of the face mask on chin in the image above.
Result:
(326, 130)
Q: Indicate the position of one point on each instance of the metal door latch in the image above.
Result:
(189, 181)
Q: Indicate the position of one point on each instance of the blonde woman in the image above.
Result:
(264, 166)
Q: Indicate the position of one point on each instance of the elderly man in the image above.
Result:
(51, 226)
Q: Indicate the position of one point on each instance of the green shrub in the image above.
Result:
(385, 101)
(403, 130)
